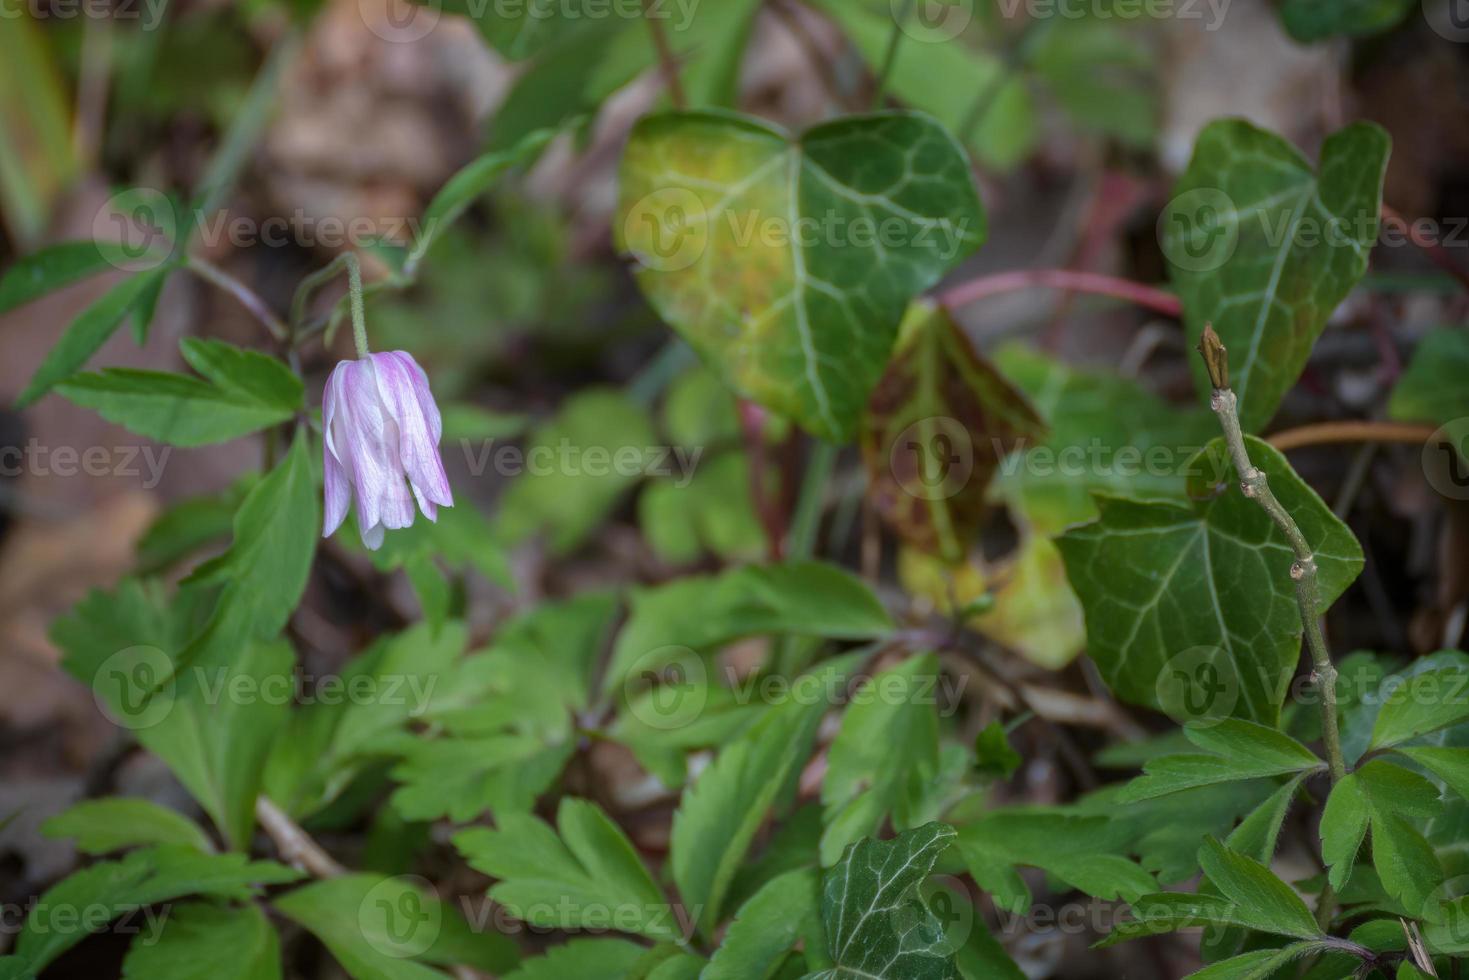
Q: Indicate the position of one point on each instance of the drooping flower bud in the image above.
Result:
(381, 433)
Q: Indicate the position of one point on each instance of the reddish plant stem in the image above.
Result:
(1435, 251)
(1156, 300)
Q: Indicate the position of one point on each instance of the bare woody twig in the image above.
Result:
(1253, 484)
(296, 847)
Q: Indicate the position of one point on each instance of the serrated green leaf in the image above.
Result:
(583, 959)
(1449, 764)
(1269, 903)
(145, 877)
(993, 754)
(1241, 750)
(101, 826)
(39, 273)
(766, 927)
(1192, 608)
(388, 928)
(583, 874)
(1424, 702)
(877, 925)
(884, 752)
(935, 431)
(1265, 249)
(188, 526)
(241, 392)
(1260, 964)
(796, 318)
(208, 942)
(1388, 798)
(89, 331)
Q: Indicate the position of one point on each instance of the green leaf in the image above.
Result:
(208, 942)
(876, 922)
(583, 959)
(1269, 903)
(802, 316)
(265, 569)
(935, 431)
(1449, 764)
(387, 928)
(468, 183)
(803, 598)
(717, 819)
(1388, 798)
(993, 754)
(1422, 703)
(89, 331)
(1241, 750)
(100, 826)
(188, 526)
(39, 273)
(329, 741)
(1107, 434)
(1263, 248)
(587, 877)
(1261, 964)
(146, 877)
(1192, 609)
(1163, 912)
(885, 752)
(1432, 388)
(1066, 846)
(1316, 20)
(766, 927)
(219, 731)
(244, 392)
(577, 467)
(711, 512)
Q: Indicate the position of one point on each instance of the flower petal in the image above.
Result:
(405, 394)
(338, 490)
(366, 439)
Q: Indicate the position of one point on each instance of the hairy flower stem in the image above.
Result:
(1253, 484)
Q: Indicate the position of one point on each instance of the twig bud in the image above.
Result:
(1216, 358)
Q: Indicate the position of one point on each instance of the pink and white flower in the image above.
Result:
(381, 433)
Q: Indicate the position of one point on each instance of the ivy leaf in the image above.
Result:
(721, 811)
(145, 877)
(886, 750)
(584, 874)
(89, 331)
(1265, 249)
(936, 428)
(1424, 702)
(208, 942)
(1432, 388)
(101, 826)
(1191, 609)
(583, 959)
(388, 928)
(1388, 798)
(241, 392)
(766, 927)
(801, 317)
(1240, 750)
(876, 923)
(1066, 846)
(801, 598)
(1316, 20)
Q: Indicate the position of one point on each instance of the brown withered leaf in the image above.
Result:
(935, 430)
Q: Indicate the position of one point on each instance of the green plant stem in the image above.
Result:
(247, 297)
(801, 540)
(890, 56)
(313, 282)
(1253, 484)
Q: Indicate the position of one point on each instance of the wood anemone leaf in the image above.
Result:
(1263, 247)
(936, 428)
(788, 262)
(1191, 609)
